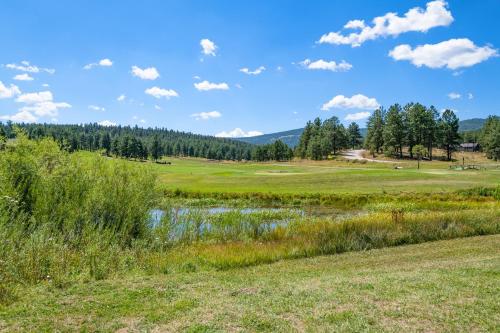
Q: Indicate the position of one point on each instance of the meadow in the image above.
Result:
(337, 176)
(86, 238)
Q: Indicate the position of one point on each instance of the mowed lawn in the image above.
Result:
(320, 177)
(440, 286)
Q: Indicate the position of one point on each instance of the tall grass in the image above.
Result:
(58, 210)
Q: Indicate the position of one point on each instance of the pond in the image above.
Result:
(232, 223)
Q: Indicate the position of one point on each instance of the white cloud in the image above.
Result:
(96, 108)
(27, 67)
(159, 92)
(358, 101)
(254, 72)
(157, 107)
(23, 77)
(435, 14)
(470, 96)
(107, 123)
(196, 77)
(45, 85)
(41, 104)
(8, 92)
(237, 85)
(355, 24)
(208, 47)
(21, 117)
(146, 74)
(238, 133)
(452, 54)
(46, 109)
(32, 98)
(279, 68)
(121, 98)
(205, 85)
(454, 95)
(102, 63)
(326, 65)
(357, 116)
(206, 115)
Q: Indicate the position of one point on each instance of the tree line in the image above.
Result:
(412, 130)
(143, 143)
(322, 138)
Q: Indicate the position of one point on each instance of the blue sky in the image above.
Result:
(181, 64)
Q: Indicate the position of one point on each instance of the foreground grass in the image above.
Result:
(448, 285)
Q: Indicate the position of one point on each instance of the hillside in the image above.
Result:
(291, 137)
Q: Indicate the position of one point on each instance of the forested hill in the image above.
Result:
(291, 137)
(135, 142)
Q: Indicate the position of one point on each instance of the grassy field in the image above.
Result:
(442, 286)
(196, 175)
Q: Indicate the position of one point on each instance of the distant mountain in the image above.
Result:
(471, 124)
(291, 137)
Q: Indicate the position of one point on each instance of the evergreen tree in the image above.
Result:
(374, 137)
(156, 151)
(490, 137)
(354, 135)
(448, 125)
(394, 133)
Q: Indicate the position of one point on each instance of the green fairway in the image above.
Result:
(320, 177)
(440, 286)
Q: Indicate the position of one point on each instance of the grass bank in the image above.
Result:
(439, 286)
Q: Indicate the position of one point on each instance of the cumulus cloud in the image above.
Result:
(237, 133)
(206, 115)
(205, 86)
(452, 54)
(107, 123)
(46, 109)
(121, 98)
(41, 104)
(102, 63)
(25, 66)
(32, 98)
(357, 116)
(157, 107)
(23, 77)
(149, 73)
(326, 65)
(20, 117)
(96, 108)
(254, 72)
(8, 92)
(358, 101)
(435, 14)
(355, 24)
(454, 95)
(470, 96)
(208, 47)
(159, 92)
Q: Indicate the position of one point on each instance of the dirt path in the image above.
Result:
(357, 154)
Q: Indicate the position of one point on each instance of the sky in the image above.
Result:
(242, 68)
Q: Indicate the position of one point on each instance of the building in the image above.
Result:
(469, 146)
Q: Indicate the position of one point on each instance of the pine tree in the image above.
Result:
(394, 133)
(354, 135)
(448, 125)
